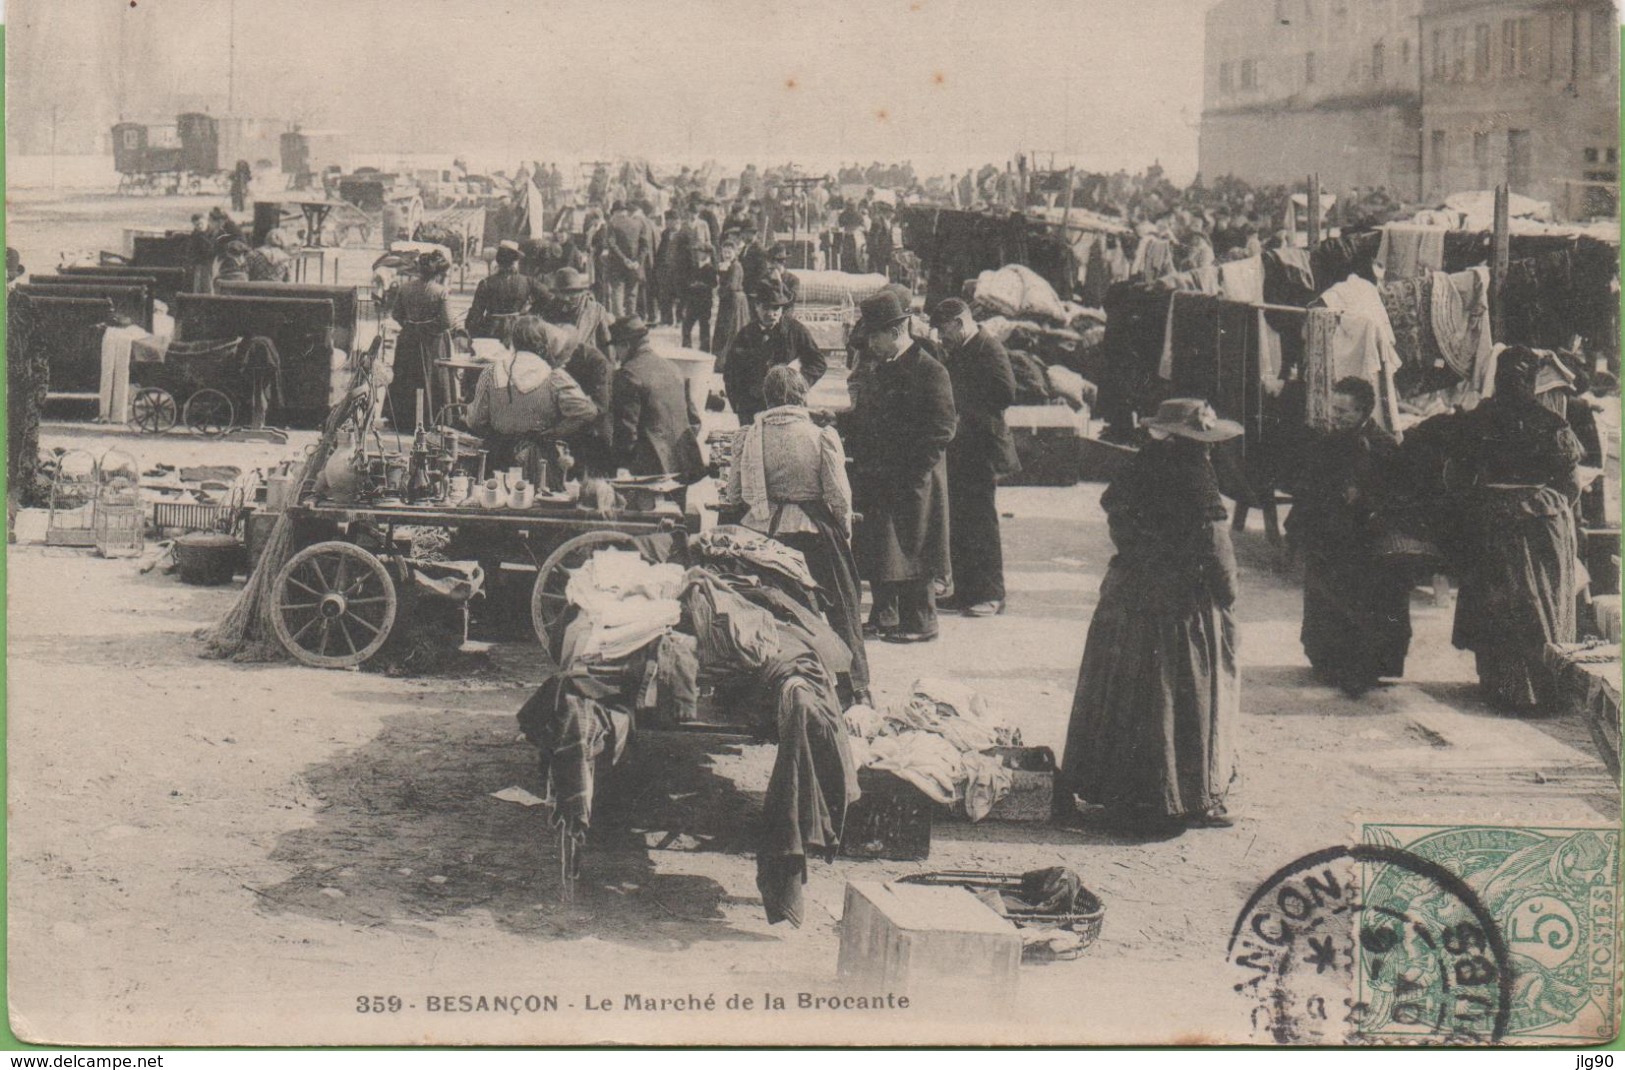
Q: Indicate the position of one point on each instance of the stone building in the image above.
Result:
(1526, 92)
(1299, 86)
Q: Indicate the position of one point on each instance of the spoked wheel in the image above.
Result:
(335, 605)
(548, 602)
(153, 410)
(209, 412)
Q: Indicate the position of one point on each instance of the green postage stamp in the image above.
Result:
(1549, 951)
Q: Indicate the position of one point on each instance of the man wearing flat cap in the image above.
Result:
(503, 297)
(981, 452)
(908, 413)
(774, 337)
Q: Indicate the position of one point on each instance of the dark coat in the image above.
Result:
(755, 350)
(504, 295)
(593, 446)
(909, 407)
(984, 386)
(653, 412)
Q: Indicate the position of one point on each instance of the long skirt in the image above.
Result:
(1518, 591)
(829, 559)
(1157, 698)
(1356, 618)
(732, 316)
(416, 350)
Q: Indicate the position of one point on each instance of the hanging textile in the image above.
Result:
(1409, 303)
(1408, 250)
(1320, 330)
(1136, 330)
(1461, 322)
(113, 397)
(1243, 280)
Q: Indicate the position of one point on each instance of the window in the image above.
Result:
(1509, 47)
(131, 138)
(1481, 159)
(1376, 62)
(1458, 54)
(1441, 160)
(1405, 53)
(1481, 50)
(1602, 41)
(1611, 155)
(1436, 68)
(1520, 160)
(1591, 155)
(1227, 78)
(1308, 68)
(1249, 74)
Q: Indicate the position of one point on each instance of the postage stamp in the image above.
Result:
(1553, 897)
(1324, 961)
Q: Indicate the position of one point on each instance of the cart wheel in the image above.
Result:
(335, 605)
(153, 410)
(547, 599)
(209, 412)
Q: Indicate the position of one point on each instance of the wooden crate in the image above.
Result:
(923, 940)
(891, 819)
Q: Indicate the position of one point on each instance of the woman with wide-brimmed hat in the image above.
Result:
(1158, 691)
(423, 310)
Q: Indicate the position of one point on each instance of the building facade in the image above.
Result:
(1524, 92)
(1293, 87)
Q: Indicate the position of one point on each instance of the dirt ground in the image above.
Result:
(209, 852)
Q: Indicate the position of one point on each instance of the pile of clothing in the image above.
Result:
(943, 739)
(646, 634)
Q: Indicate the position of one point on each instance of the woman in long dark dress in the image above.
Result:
(1159, 691)
(1356, 609)
(1518, 582)
(423, 310)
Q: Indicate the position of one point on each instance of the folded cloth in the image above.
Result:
(731, 634)
(733, 543)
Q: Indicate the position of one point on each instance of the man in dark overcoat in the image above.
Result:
(981, 452)
(908, 406)
(652, 406)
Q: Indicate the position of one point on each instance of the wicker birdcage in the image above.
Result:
(72, 520)
(119, 519)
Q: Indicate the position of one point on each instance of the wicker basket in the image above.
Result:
(208, 558)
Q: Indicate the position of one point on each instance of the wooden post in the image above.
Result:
(1498, 262)
(1314, 210)
(1066, 213)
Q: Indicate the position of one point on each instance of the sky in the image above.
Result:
(945, 83)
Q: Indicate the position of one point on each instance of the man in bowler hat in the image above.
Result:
(774, 337)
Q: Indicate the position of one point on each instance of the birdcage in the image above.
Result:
(72, 520)
(118, 517)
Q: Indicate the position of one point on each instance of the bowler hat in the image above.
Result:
(780, 251)
(569, 280)
(948, 311)
(1192, 418)
(882, 310)
(773, 294)
(627, 329)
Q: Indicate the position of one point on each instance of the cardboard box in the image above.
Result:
(940, 943)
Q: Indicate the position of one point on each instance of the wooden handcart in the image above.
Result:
(336, 600)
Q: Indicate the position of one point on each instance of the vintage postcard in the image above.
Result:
(901, 523)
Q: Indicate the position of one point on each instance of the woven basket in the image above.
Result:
(208, 558)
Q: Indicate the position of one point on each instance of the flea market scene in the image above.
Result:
(486, 537)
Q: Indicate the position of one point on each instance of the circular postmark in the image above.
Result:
(1370, 943)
